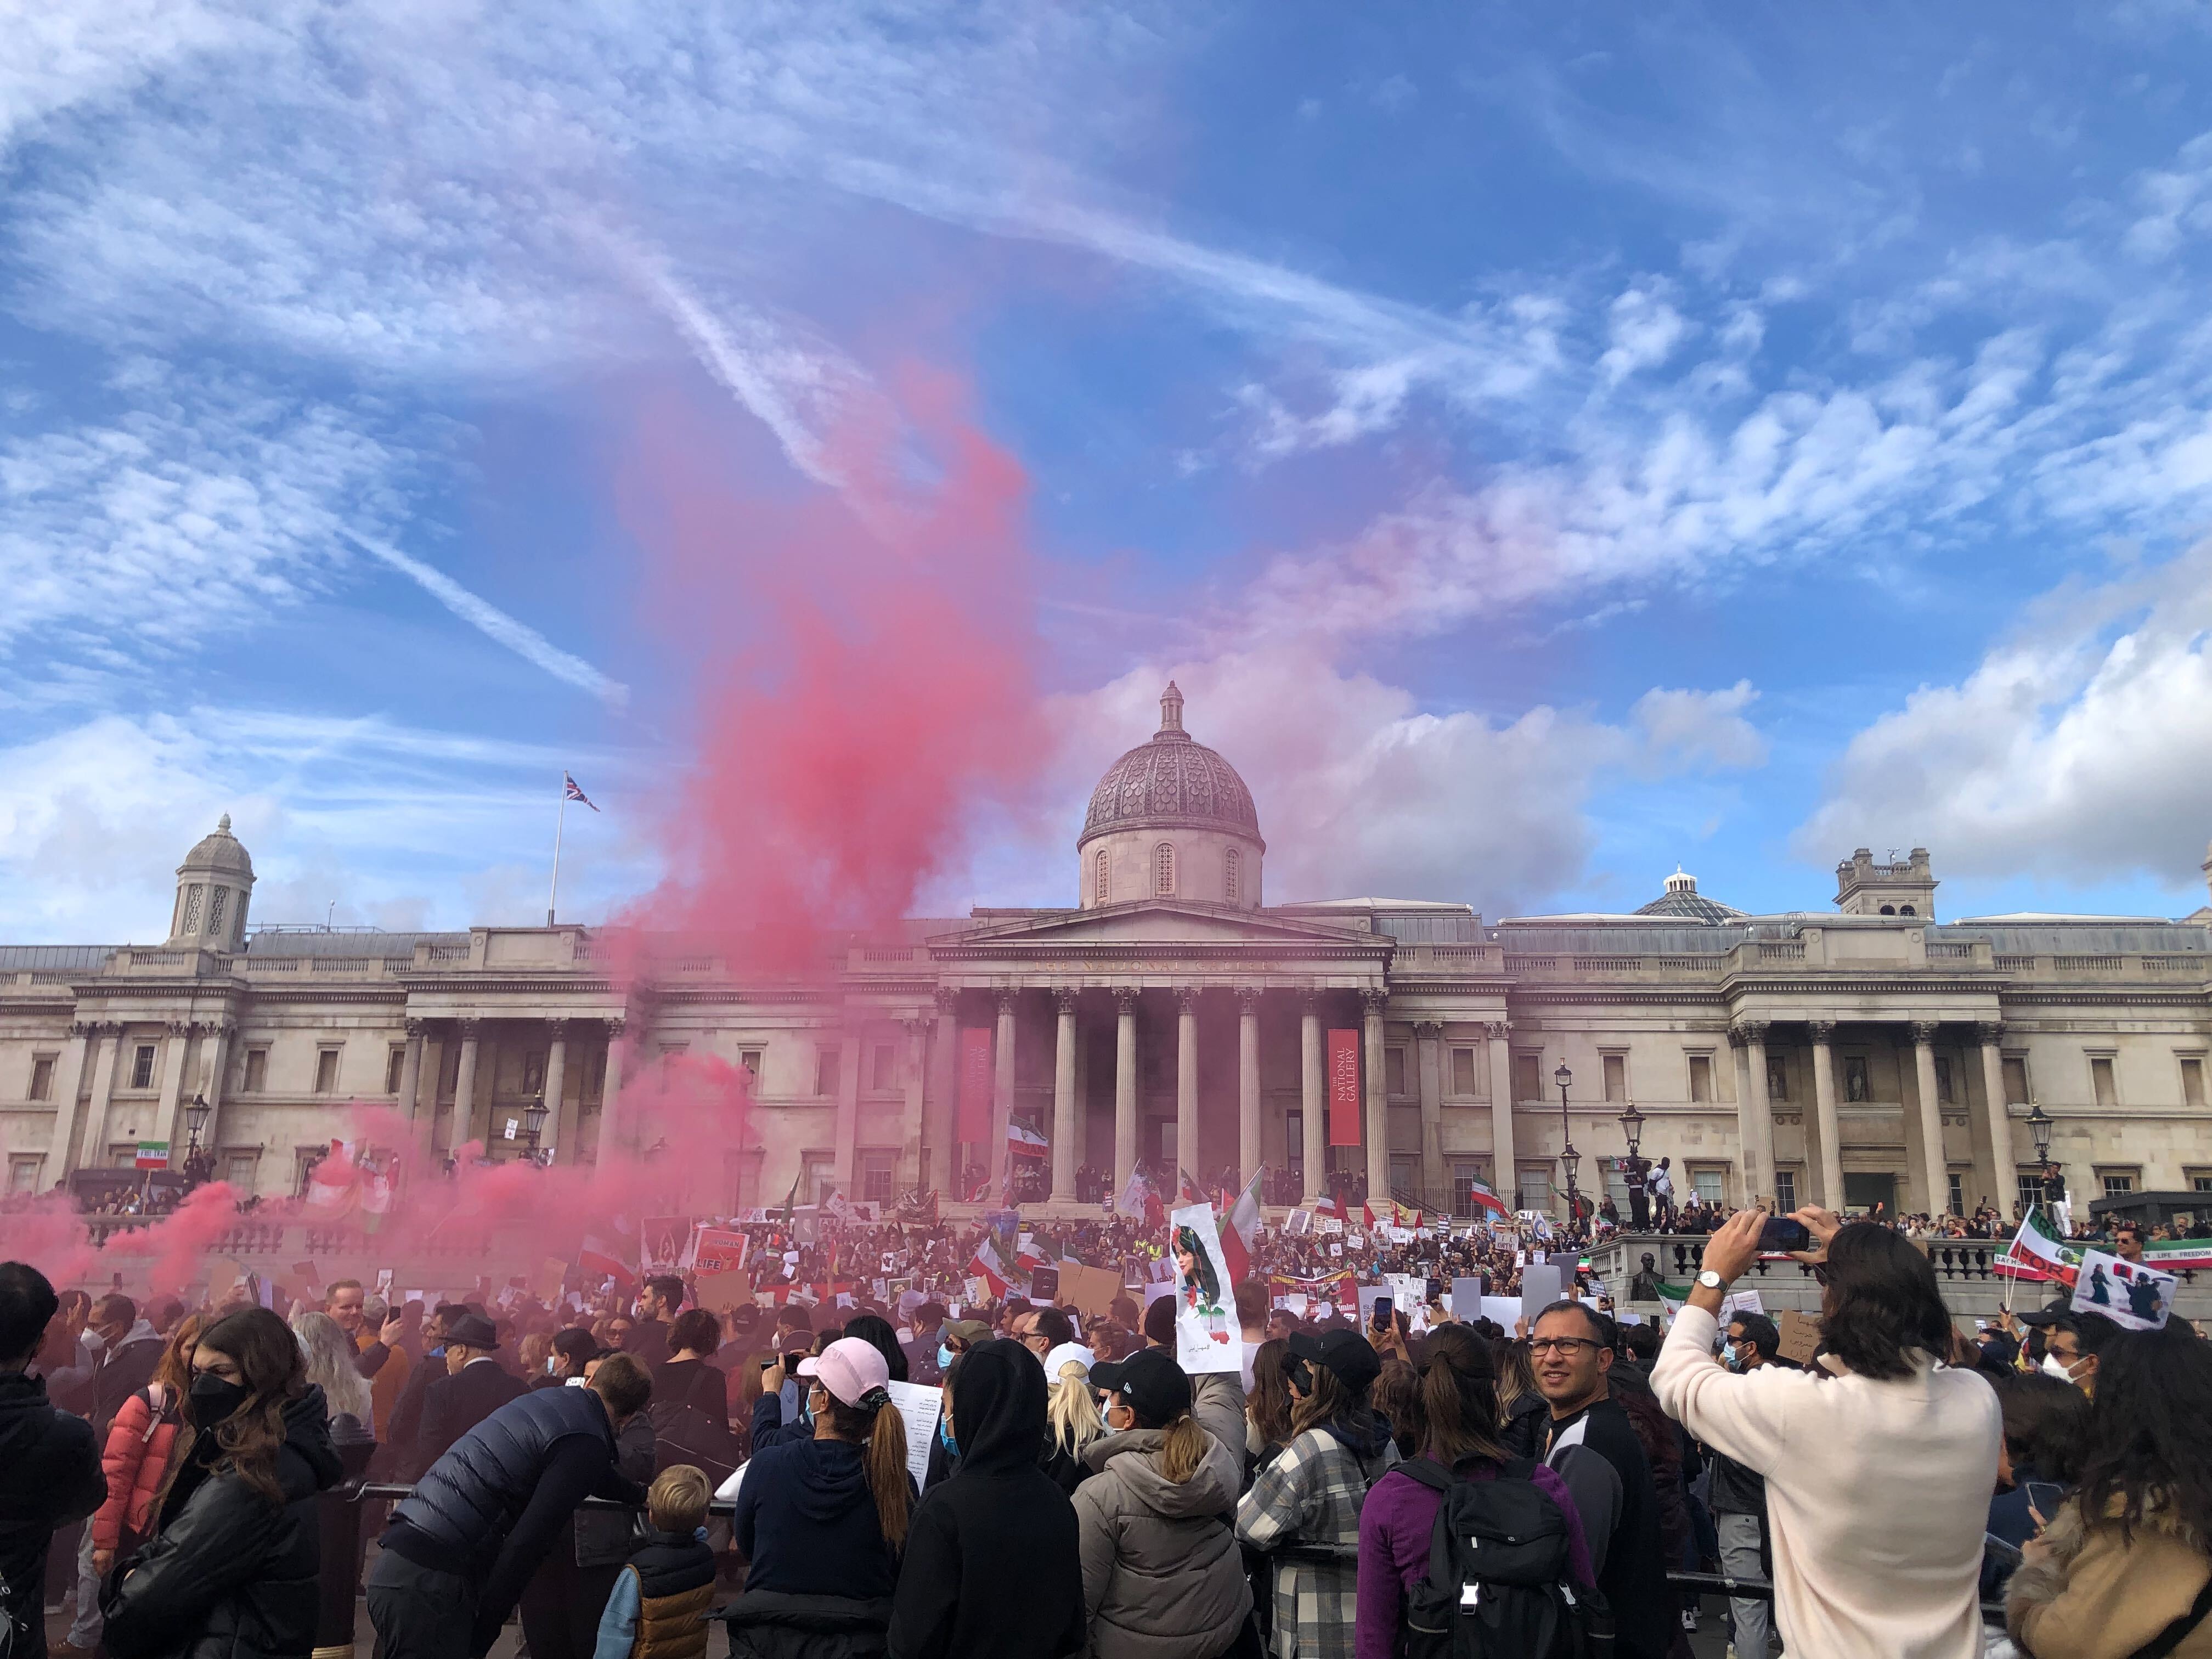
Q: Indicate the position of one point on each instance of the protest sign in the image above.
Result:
(1501, 1311)
(1467, 1298)
(1411, 1295)
(920, 1405)
(552, 1272)
(2131, 1294)
(1741, 1302)
(661, 1241)
(1542, 1283)
(1206, 1338)
(715, 1292)
(1801, 1336)
(1090, 1290)
(1369, 1295)
(719, 1249)
(1294, 1304)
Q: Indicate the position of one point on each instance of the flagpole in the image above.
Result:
(560, 819)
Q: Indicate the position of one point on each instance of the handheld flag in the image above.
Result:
(1240, 1230)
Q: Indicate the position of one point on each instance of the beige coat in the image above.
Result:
(1161, 1576)
(2090, 1595)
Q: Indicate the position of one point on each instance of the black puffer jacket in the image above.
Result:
(228, 1575)
(49, 1476)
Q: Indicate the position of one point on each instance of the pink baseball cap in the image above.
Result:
(850, 1368)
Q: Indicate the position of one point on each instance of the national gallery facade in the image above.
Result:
(1874, 1052)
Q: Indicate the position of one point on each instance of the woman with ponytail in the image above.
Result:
(232, 1572)
(1072, 1424)
(1456, 1424)
(823, 1522)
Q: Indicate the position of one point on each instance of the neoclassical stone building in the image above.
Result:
(1875, 1052)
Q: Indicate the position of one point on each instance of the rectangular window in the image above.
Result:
(23, 1175)
(1709, 1183)
(142, 1067)
(1535, 1187)
(1958, 1198)
(257, 1071)
(2118, 1184)
(326, 1071)
(1464, 1173)
(395, 1066)
(1943, 1094)
(1394, 1070)
(2200, 1181)
(1785, 1189)
(1616, 1076)
(238, 1170)
(1463, 1072)
(879, 1175)
(2101, 1080)
(825, 1072)
(1528, 1077)
(2028, 1190)
(750, 1060)
(124, 1155)
(2192, 1081)
(882, 1074)
(813, 1175)
(42, 1077)
(2015, 1080)
(1294, 1142)
(1701, 1077)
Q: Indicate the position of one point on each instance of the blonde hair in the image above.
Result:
(327, 1358)
(1072, 1410)
(1181, 1450)
(677, 1499)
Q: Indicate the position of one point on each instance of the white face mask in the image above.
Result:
(2054, 1366)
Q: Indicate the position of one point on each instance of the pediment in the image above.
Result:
(1159, 922)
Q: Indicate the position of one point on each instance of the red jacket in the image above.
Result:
(140, 1443)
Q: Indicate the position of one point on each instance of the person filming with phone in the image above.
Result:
(1878, 1460)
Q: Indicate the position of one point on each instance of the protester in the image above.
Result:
(140, 1443)
(561, 1605)
(1072, 1420)
(130, 1349)
(235, 1561)
(403, 1430)
(880, 1333)
(919, 1339)
(1397, 1396)
(571, 1351)
(993, 1569)
(1161, 1575)
(2123, 1562)
(460, 1548)
(1251, 1325)
(474, 1387)
(2045, 1425)
(658, 1608)
(1878, 1467)
(2072, 1345)
(1523, 1412)
(50, 1464)
(1267, 1404)
(1217, 1397)
(1312, 1492)
(823, 1521)
(1738, 1494)
(656, 1305)
(1455, 1417)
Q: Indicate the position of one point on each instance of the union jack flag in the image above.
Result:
(569, 792)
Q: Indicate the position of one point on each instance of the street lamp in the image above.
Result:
(196, 1122)
(1631, 1125)
(2039, 1126)
(533, 1125)
(1570, 1159)
(1639, 1201)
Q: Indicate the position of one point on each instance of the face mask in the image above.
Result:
(214, 1401)
(94, 1340)
(1729, 1358)
(945, 1434)
(2054, 1366)
(944, 1357)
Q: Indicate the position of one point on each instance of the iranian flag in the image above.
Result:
(2038, 1252)
(2171, 1255)
(1240, 1230)
(1479, 1195)
(986, 1266)
(1024, 1142)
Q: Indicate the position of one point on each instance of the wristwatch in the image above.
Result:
(1711, 1280)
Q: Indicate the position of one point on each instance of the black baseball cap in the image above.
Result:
(1150, 1381)
(1346, 1353)
(2049, 1314)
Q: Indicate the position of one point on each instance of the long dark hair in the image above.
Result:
(271, 1366)
(1882, 1302)
(1458, 1416)
(1269, 1407)
(2146, 1446)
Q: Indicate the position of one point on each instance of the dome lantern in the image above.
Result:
(214, 885)
(1171, 819)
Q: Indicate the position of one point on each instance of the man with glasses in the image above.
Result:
(1591, 1443)
(1739, 1494)
(2071, 1351)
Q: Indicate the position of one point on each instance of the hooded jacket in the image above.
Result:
(959, 1592)
(806, 1523)
(124, 1369)
(228, 1575)
(2096, 1595)
(49, 1476)
(1162, 1575)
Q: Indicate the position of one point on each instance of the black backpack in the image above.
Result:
(1499, 1582)
(685, 1432)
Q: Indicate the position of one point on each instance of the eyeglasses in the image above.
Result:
(1561, 1345)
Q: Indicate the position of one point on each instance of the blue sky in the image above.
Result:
(1546, 447)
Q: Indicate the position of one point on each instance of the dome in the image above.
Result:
(220, 850)
(1171, 783)
(1683, 900)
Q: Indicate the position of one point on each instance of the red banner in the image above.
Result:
(1343, 1088)
(976, 1084)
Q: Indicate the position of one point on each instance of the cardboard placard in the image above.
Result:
(716, 1291)
(1091, 1291)
(552, 1272)
(661, 1242)
(1501, 1311)
(1801, 1336)
(1542, 1283)
(1466, 1299)
(719, 1249)
(1044, 1284)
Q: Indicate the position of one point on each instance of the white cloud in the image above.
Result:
(1644, 330)
(2074, 751)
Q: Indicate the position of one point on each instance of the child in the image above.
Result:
(660, 1604)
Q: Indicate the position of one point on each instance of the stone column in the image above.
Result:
(105, 1062)
(1754, 1117)
(2003, 1173)
(1002, 1093)
(611, 1123)
(844, 1149)
(940, 1115)
(465, 1088)
(1249, 1155)
(218, 1065)
(1428, 1042)
(1504, 1169)
(410, 1072)
(560, 1115)
(69, 1084)
(1313, 1098)
(174, 1049)
(1067, 1124)
(1378, 1102)
(1186, 1088)
(1829, 1131)
(912, 1122)
(1937, 1168)
(1125, 1086)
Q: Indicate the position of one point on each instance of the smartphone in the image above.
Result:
(1781, 1233)
(771, 1362)
(1381, 1313)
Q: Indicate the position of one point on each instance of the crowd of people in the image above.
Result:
(177, 1480)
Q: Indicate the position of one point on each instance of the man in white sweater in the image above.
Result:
(1878, 1472)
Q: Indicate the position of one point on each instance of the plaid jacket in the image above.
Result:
(1311, 1494)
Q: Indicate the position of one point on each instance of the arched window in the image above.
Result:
(1889, 909)
(1229, 874)
(1164, 870)
(1098, 888)
(1905, 910)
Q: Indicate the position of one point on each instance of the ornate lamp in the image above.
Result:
(1631, 1125)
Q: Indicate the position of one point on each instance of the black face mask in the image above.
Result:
(214, 1401)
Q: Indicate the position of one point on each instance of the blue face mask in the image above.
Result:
(944, 1357)
(1729, 1358)
(945, 1434)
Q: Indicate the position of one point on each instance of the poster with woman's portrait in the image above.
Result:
(1207, 1336)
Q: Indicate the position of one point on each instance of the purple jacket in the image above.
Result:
(1396, 1525)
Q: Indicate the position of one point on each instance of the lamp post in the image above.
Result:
(196, 1162)
(2039, 1125)
(1639, 1202)
(1570, 1159)
(533, 1126)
